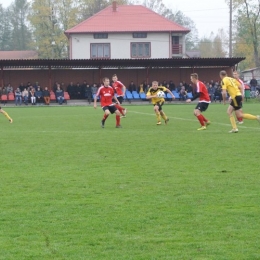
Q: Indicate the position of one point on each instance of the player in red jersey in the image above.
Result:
(120, 89)
(242, 90)
(106, 94)
(204, 100)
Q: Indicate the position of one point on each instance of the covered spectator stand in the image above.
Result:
(46, 72)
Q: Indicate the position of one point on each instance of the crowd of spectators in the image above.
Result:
(36, 94)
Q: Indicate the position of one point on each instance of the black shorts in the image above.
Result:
(202, 106)
(236, 103)
(120, 99)
(159, 104)
(112, 109)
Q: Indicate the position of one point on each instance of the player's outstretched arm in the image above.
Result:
(224, 96)
(167, 90)
(115, 98)
(95, 102)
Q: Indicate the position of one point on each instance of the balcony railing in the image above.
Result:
(176, 49)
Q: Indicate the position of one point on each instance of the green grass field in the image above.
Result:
(72, 190)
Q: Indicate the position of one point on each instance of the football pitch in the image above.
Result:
(72, 190)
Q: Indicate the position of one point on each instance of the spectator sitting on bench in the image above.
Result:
(38, 95)
(9, 88)
(46, 96)
(59, 95)
(18, 97)
(25, 95)
(32, 95)
(183, 93)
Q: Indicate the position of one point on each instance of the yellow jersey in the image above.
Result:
(231, 86)
(152, 92)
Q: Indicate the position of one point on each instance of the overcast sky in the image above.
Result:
(208, 15)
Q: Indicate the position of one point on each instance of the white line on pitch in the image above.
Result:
(192, 120)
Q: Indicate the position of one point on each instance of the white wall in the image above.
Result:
(120, 45)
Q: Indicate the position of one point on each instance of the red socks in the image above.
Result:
(201, 118)
(204, 118)
(117, 120)
(105, 116)
(120, 109)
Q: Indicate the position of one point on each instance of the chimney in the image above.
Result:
(114, 6)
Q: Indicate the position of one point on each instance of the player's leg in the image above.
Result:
(230, 110)
(239, 116)
(251, 117)
(204, 107)
(6, 115)
(156, 109)
(163, 115)
(113, 110)
(106, 114)
(197, 113)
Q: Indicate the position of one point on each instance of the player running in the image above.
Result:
(231, 86)
(158, 102)
(204, 101)
(242, 90)
(106, 94)
(120, 89)
(6, 115)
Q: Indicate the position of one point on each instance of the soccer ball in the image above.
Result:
(160, 94)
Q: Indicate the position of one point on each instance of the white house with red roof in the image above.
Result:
(127, 32)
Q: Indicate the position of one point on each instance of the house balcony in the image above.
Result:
(177, 49)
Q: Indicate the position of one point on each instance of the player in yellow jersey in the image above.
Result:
(157, 101)
(231, 86)
(6, 115)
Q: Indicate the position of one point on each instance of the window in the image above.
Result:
(140, 49)
(100, 35)
(139, 35)
(100, 50)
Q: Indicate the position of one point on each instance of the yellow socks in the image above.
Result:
(248, 116)
(164, 116)
(233, 122)
(6, 115)
(158, 116)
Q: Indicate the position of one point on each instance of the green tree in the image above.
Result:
(49, 19)
(21, 35)
(91, 7)
(214, 46)
(6, 43)
(247, 30)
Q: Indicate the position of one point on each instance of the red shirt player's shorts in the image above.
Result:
(112, 109)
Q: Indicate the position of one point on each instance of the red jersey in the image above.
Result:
(106, 95)
(118, 87)
(203, 92)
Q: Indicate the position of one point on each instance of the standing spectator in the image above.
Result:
(59, 95)
(164, 83)
(9, 88)
(94, 89)
(78, 91)
(38, 95)
(32, 95)
(25, 95)
(253, 84)
(83, 88)
(54, 88)
(218, 94)
(4, 91)
(172, 85)
(183, 93)
(18, 97)
(131, 87)
(46, 96)
(88, 93)
(211, 91)
(22, 87)
(71, 90)
(36, 85)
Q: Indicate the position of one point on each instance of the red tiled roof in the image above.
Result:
(127, 18)
(18, 55)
